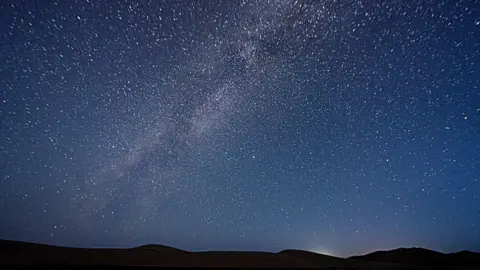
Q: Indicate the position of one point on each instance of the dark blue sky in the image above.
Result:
(333, 126)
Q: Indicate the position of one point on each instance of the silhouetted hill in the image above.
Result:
(21, 253)
(337, 263)
(416, 256)
(465, 256)
(422, 257)
(319, 259)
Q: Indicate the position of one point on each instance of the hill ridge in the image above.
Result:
(28, 253)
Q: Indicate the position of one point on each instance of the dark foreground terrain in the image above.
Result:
(22, 253)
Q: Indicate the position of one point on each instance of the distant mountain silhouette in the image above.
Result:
(422, 257)
(337, 263)
(330, 261)
(13, 253)
(465, 257)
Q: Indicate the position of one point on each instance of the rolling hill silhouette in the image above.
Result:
(14, 253)
(423, 257)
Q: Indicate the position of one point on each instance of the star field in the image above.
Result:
(339, 127)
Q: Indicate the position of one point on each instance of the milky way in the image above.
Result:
(216, 79)
(333, 126)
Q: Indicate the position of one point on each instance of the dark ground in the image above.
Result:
(13, 253)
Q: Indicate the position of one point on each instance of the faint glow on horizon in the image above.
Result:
(323, 251)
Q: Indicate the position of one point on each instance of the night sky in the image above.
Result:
(339, 127)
